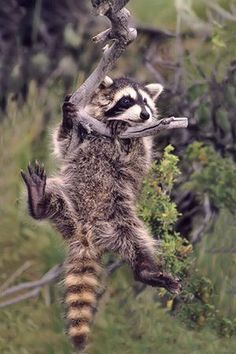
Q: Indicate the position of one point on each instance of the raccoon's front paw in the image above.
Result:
(35, 181)
(69, 113)
(117, 127)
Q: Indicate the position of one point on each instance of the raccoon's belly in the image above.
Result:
(94, 198)
(100, 174)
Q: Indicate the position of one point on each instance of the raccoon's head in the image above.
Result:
(126, 100)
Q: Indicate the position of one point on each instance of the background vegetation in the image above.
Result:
(189, 197)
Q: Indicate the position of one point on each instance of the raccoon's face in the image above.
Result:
(126, 100)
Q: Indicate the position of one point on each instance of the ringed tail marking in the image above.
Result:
(79, 335)
(77, 280)
(84, 297)
(83, 313)
(81, 297)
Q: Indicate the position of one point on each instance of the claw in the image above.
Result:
(44, 176)
(158, 279)
(175, 287)
(37, 167)
(42, 172)
(24, 176)
(30, 169)
(67, 98)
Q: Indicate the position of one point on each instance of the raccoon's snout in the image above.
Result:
(144, 115)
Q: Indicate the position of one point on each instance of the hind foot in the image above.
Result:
(148, 274)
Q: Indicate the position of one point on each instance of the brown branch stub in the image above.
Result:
(155, 127)
(120, 35)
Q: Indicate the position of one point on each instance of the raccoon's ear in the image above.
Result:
(107, 82)
(154, 90)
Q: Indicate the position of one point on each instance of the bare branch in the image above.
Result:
(120, 34)
(145, 129)
(50, 276)
(28, 295)
(154, 128)
(221, 11)
(36, 286)
(15, 275)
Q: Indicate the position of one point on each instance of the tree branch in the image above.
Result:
(50, 276)
(25, 296)
(120, 34)
(36, 286)
(144, 129)
(15, 275)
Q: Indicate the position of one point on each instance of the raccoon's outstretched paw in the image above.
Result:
(69, 113)
(35, 181)
(117, 127)
(159, 279)
(168, 282)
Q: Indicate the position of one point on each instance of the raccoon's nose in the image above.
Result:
(144, 115)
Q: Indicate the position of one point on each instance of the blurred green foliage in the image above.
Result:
(212, 175)
(160, 213)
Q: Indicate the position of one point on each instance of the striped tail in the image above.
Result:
(82, 284)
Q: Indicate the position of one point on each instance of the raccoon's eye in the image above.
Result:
(126, 102)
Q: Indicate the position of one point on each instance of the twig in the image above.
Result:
(222, 12)
(153, 128)
(28, 295)
(15, 275)
(36, 286)
(120, 34)
(50, 276)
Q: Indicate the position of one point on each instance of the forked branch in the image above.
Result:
(116, 39)
(119, 36)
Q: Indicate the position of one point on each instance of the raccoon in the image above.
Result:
(92, 199)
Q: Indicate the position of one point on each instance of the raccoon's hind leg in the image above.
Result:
(135, 246)
(146, 270)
